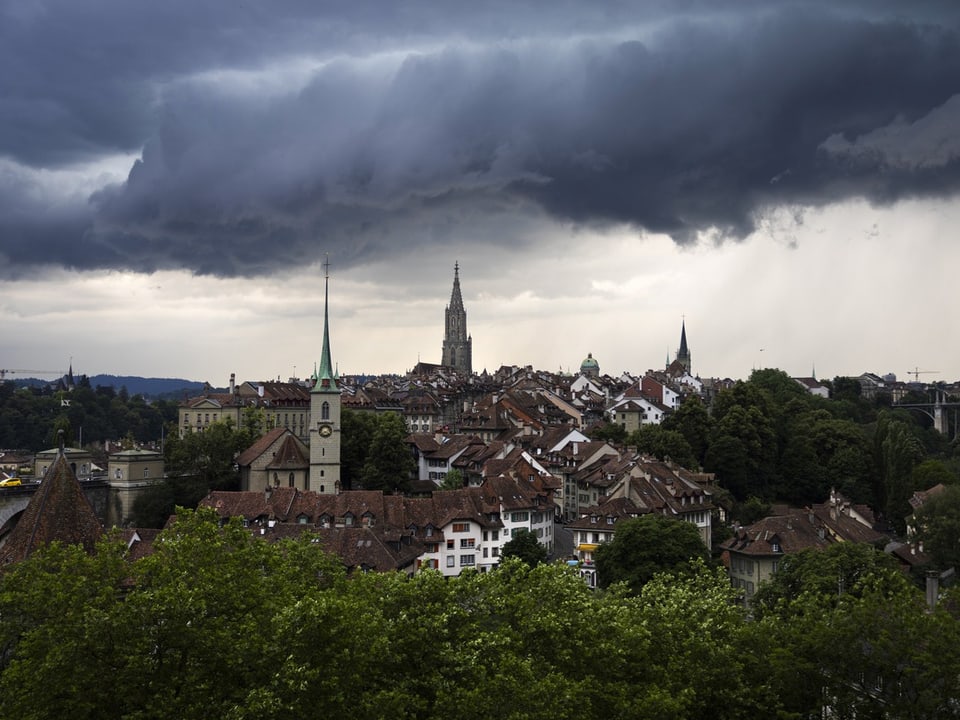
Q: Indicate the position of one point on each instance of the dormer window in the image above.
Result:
(348, 519)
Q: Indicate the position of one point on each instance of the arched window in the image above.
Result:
(290, 480)
(325, 411)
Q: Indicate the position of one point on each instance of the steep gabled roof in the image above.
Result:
(57, 512)
(260, 446)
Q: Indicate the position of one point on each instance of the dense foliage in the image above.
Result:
(645, 546)
(768, 439)
(217, 623)
(30, 417)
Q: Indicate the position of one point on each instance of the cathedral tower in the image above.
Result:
(457, 345)
(325, 413)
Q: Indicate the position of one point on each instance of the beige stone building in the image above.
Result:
(129, 473)
(80, 462)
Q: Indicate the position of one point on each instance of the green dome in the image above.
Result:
(589, 363)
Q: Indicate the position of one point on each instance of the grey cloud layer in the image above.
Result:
(679, 125)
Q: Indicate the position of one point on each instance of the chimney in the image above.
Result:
(233, 383)
(933, 589)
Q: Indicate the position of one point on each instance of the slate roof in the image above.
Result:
(260, 446)
(58, 511)
(790, 533)
(291, 455)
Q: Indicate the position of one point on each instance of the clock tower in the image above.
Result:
(325, 413)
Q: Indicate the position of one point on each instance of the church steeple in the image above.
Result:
(683, 354)
(457, 344)
(325, 412)
(326, 381)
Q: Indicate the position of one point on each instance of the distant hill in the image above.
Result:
(153, 388)
(173, 388)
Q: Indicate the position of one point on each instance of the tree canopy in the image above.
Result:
(645, 546)
(524, 546)
(219, 623)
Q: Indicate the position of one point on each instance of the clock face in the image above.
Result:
(325, 430)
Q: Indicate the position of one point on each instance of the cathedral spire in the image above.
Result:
(456, 299)
(326, 381)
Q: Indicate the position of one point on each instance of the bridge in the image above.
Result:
(14, 500)
(944, 421)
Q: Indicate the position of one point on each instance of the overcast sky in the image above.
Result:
(783, 175)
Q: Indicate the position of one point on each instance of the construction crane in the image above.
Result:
(4, 373)
(917, 372)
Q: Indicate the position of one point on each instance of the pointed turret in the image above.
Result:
(58, 511)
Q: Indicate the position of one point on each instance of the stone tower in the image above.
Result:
(325, 413)
(683, 354)
(457, 344)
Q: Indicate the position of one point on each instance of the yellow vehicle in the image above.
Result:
(10, 482)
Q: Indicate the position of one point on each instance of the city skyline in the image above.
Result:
(781, 175)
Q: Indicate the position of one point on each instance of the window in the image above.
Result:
(449, 544)
(348, 519)
(450, 561)
(461, 527)
(466, 543)
(495, 552)
(290, 480)
(485, 552)
(496, 534)
(519, 516)
(146, 473)
(485, 536)
(325, 411)
(468, 560)
(118, 474)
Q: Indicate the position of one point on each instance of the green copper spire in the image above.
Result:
(326, 382)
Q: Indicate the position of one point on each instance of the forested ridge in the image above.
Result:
(218, 623)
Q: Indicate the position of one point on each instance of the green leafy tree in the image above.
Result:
(937, 525)
(357, 430)
(933, 472)
(453, 480)
(898, 451)
(524, 546)
(662, 443)
(194, 464)
(841, 568)
(644, 546)
(872, 650)
(611, 432)
(389, 462)
(693, 422)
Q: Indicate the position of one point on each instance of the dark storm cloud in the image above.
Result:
(675, 124)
